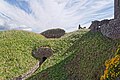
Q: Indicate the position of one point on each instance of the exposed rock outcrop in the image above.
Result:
(53, 33)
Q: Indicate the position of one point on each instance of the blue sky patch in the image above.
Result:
(20, 4)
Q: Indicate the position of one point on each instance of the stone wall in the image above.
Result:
(109, 28)
(105, 21)
(112, 29)
(95, 26)
(116, 9)
(42, 52)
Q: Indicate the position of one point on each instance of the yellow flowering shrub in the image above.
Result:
(118, 51)
(112, 71)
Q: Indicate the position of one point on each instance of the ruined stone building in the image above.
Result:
(109, 28)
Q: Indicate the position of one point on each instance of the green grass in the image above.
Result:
(15, 52)
(79, 55)
(85, 59)
(16, 48)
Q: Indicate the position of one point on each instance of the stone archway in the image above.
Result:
(42, 53)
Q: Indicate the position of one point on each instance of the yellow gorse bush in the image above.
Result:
(112, 71)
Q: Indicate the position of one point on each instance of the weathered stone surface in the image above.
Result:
(53, 33)
(116, 9)
(111, 30)
(95, 26)
(105, 21)
(42, 52)
(103, 27)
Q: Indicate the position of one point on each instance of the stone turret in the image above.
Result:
(117, 9)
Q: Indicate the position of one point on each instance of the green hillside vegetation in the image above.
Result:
(15, 51)
(16, 48)
(79, 55)
(85, 60)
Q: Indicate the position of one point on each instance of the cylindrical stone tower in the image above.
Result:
(117, 9)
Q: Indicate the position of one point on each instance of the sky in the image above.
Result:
(40, 15)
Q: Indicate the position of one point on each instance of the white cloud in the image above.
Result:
(65, 14)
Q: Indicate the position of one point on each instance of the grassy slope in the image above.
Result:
(76, 56)
(15, 51)
(61, 53)
(85, 60)
(16, 48)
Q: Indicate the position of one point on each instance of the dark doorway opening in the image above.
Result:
(44, 58)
